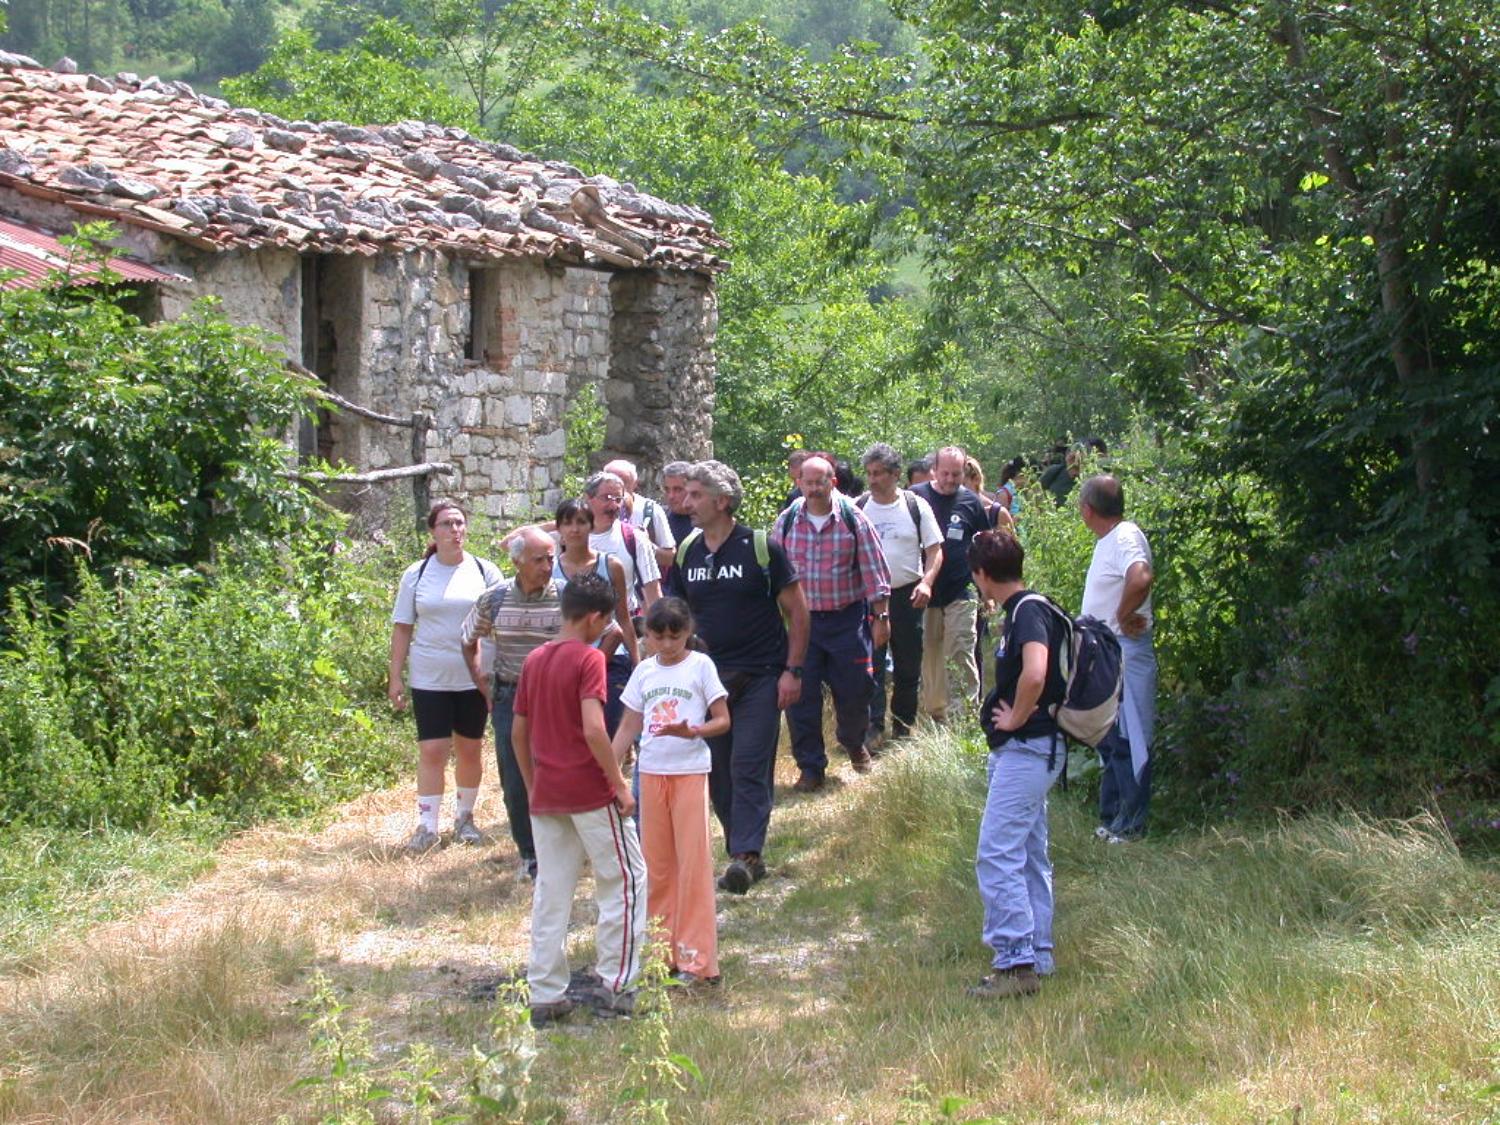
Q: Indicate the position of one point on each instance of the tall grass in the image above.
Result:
(1332, 968)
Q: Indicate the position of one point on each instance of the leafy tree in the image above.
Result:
(802, 347)
(381, 77)
(126, 441)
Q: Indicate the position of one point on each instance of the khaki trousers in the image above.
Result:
(950, 678)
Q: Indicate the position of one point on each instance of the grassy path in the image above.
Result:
(1327, 970)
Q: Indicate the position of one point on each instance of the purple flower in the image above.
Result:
(1409, 643)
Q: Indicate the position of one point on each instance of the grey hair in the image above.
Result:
(882, 454)
(1105, 495)
(524, 535)
(719, 479)
(591, 486)
(676, 468)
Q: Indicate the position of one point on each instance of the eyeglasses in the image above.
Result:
(451, 523)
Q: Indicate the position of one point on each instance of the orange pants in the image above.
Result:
(679, 867)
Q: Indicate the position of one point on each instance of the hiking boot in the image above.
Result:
(744, 870)
(875, 743)
(736, 878)
(1005, 983)
(466, 832)
(808, 781)
(543, 1014)
(693, 980)
(1102, 833)
(608, 1004)
(861, 760)
(527, 870)
(421, 841)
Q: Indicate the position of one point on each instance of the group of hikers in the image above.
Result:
(849, 587)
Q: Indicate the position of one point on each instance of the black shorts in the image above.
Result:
(441, 714)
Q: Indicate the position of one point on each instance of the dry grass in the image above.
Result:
(1327, 970)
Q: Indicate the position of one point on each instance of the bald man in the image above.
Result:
(519, 614)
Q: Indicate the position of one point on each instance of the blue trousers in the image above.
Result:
(838, 654)
(741, 782)
(1011, 863)
(1125, 753)
(512, 784)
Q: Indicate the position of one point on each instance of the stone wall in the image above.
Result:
(390, 332)
(660, 391)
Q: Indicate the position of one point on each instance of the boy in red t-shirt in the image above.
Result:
(579, 802)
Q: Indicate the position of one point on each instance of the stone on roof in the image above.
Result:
(155, 154)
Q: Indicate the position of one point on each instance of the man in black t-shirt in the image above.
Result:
(739, 585)
(950, 676)
(1026, 756)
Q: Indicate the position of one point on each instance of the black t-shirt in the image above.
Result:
(1032, 622)
(960, 517)
(735, 612)
(671, 581)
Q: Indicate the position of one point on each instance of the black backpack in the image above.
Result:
(1093, 673)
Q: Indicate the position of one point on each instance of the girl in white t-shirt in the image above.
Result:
(674, 702)
(435, 595)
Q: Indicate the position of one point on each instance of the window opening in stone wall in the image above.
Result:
(316, 437)
(482, 289)
(141, 299)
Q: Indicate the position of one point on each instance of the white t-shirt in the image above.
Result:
(660, 531)
(1114, 555)
(898, 535)
(683, 691)
(437, 607)
(613, 541)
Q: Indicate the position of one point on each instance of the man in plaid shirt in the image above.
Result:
(847, 585)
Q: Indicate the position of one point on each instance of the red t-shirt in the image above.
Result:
(555, 679)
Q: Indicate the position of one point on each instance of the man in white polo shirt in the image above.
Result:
(1118, 592)
(913, 546)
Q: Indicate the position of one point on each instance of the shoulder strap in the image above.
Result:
(762, 550)
(851, 521)
(1065, 655)
(691, 537)
(789, 516)
(915, 513)
(861, 500)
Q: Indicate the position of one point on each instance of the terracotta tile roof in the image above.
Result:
(153, 153)
(29, 254)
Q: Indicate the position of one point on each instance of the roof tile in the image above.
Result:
(154, 153)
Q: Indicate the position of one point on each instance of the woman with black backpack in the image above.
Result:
(1027, 754)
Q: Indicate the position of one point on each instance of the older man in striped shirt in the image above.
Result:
(518, 614)
(847, 585)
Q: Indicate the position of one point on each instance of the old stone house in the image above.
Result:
(416, 269)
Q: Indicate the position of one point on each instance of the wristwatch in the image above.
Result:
(796, 671)
(880, 616)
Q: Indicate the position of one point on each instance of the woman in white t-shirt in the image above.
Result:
(435, 595)
(674, 702)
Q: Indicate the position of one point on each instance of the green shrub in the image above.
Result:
(248, 691)
(123, 441)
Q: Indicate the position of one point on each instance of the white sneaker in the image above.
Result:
(421, 841)
(465, 831)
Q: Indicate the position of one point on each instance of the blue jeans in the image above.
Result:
(512, 784)
(1011, 863)
(1125, 753)
(741, 782)
(838, 654)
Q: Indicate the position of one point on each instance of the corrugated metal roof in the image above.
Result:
(34, 253)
